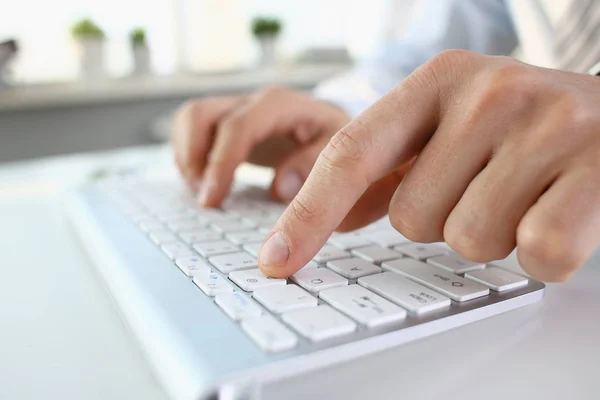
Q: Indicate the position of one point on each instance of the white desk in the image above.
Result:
(61, 337)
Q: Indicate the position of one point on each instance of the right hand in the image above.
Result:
(275, 127)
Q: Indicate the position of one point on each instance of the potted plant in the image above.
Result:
(90, 39)
(266, 30)
(140, 51)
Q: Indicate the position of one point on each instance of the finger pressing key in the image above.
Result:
(365, 150)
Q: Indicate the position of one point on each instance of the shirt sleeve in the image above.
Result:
(480, 26)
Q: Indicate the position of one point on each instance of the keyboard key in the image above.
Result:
(376, 254)
(319, 323)
(207, 249)
(162, 237)
(244, 237)
(230, 226)
(386, 238)
(199, 235)
(455, 263)
(317, 279)
(363, 305)
(311, 264)
(280, 299)
(237, 305)
(192, 266)
(269, 334)
(212, 284)
(348, 241)
(253, 248)
(260, 219)
(497, 279)
(330, 253)
(415, 298)
(176, 250)
(421, 251)
(353, 268)
(253, 279)
(210, 215)
(227, 263)
(435, 278)
(184, 225)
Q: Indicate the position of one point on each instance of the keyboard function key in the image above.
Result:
(212, 284)
(455, 263)
(353, 268)
(415, 298)
(269, 334)
(213, 248)
(376, 254)
(363, 305)
(192, 266)
(317, 279)
(230, 262)
(421, 251)
(319, 323)
(280, 299)
(437, 279)
(253, 279)
(238, 306)
(497, 279)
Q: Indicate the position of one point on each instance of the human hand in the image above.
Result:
(275, 127)
(507, 155)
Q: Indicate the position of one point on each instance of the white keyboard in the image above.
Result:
(369, 281)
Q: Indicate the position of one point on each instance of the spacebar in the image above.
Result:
(445, 282)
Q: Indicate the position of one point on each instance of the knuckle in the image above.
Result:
(510, 86)
(466, 241)
(345, 149)
(545, 251)
(575, 114)
(303, 209)
(235, 124)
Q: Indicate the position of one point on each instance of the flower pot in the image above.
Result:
(268, 50)
(91, 59)
(141, 59)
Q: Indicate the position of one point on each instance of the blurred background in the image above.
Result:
(88, 75)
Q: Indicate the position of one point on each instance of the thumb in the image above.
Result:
(291, 174)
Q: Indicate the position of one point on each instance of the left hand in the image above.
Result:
(507, 155)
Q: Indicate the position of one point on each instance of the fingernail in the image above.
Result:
(289, 186)
(206, 190)
(275, 251)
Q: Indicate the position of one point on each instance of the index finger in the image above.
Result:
(383, 137)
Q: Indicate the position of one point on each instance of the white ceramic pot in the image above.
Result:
(268, 50)
(91, 59)
(141, 59)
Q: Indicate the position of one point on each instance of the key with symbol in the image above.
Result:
(416, 298)
(192, 266)
(212, 284)
(227, 263)
(317, 279)
(207, 249)
(353, 268)
(453, 286)
(363, 305)
(253, 279)
(238, 306)
(421, 251)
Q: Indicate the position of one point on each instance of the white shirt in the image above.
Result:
(494, 27)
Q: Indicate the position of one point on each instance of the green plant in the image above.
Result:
(137, 37)
(264, 26)
(86, 28)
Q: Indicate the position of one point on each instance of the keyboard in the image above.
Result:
(187, 281)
